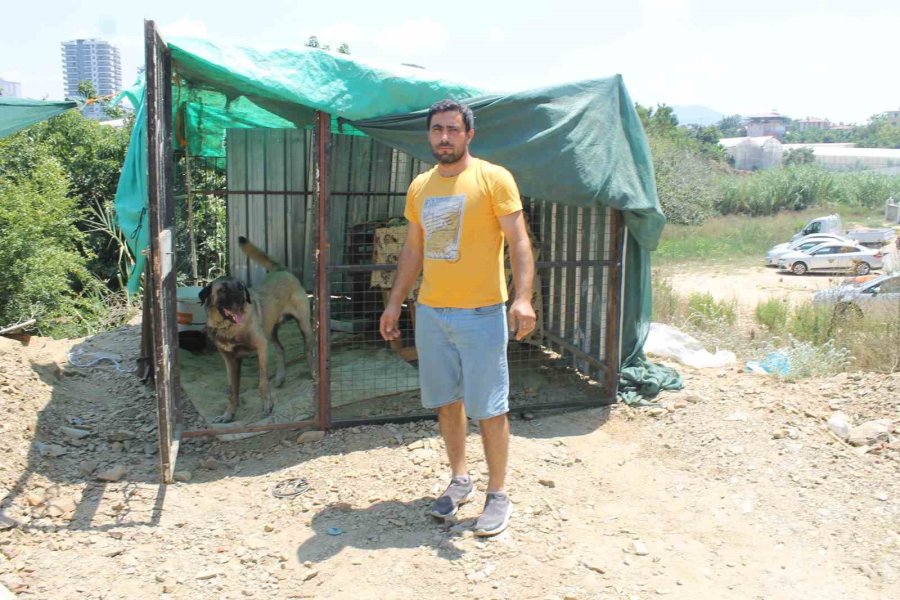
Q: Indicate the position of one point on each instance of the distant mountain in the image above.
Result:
(697, 115)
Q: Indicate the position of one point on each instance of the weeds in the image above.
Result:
(815, 341)
(804, 359)
(704, 310)
(772, 314)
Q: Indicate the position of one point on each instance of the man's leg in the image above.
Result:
(440, 375)
(495, 438)
(483, 340)
(452, 420)
(497, 507)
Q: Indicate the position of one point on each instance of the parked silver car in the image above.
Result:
(878, 298)
(804, 243)
(832, 257)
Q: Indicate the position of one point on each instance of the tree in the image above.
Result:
(686, 183)
(879, 132)
(87, 90)
(707, 141)
(686, 163)
(314, 42)
(91, 157)
(732, 126)
(45, 273)
(798, 156)
(661, 122)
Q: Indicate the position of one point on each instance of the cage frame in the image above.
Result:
(159, 356)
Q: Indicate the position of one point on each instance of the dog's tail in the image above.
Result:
(257, 255)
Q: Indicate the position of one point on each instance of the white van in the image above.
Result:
(829, 224)
(875, 237)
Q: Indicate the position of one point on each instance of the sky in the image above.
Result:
(803, 58)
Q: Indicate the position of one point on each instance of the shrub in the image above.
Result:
(43, 269)
(666, 303)
(772, 314)
(704, 309)
(807, 359)
(810, 323)
(686, 183)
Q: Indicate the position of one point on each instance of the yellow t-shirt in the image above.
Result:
(463, 263)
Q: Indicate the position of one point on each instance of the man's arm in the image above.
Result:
(521, 314)
(409, 265)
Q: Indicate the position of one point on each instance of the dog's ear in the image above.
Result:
(204, 295)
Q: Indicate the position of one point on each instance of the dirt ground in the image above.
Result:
(734, 487)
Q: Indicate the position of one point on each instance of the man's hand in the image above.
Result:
(521, 318)
(390, 323)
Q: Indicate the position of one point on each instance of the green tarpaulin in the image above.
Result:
(580, 144)
(18, 113)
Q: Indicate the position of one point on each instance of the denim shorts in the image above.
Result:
(462, 355)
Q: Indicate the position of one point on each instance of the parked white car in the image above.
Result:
(878, 298)
(804, 243)
(832, 257)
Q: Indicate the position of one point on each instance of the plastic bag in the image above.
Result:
(778, 363)
(666, 341)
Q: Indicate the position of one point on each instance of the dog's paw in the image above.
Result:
(279, 380)
(267, 408)
(226, 417)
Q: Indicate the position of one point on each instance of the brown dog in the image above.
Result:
(241, 321)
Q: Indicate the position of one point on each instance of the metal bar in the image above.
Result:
(585, 289)
(573, 294)
(156, 191)
(557, 293)
(544, 264)
(559, 405)
(578, 352)
(190, 209)
(286, 205)
(322, 256)
(622, 287)
(170, 291)
(309, 423)
(221, 192)
(341, 423)
(538, 265)
(614, 304)
(145, 360)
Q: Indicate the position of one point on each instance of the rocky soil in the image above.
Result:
(739, 486)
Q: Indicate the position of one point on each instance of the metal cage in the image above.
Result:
(329, 206)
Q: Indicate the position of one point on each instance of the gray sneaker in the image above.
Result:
(495, 516)
(460, 491)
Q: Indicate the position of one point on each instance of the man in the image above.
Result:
(459, 214)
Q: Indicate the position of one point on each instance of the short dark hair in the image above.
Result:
(452, 105)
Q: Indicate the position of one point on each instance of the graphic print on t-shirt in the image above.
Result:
(442, 221)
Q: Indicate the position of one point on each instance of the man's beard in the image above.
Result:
(447, 159)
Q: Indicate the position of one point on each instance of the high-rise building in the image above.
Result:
(91, 60)
(10, 89)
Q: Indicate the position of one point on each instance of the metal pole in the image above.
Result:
(614, 307)
(308, 424)
(190, 205)
(322, 258)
